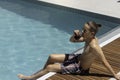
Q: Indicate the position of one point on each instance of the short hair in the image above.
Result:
(94, 26)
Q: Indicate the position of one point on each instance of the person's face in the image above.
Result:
(86, 33)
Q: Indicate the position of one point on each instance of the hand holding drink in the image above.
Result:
(77, 34)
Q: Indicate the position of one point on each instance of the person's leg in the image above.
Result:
(54, 58)
(51, 60)
(52, 68)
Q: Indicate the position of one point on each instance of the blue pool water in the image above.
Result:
(30, 32)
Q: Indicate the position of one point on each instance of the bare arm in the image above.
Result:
(72, 39)
(100, 54)
(79, 39)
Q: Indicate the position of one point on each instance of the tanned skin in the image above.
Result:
(92, 50)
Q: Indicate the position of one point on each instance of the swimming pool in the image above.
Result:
(30, 32)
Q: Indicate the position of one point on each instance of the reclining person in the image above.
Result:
(76, 63)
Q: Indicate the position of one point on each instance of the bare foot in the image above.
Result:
(21, 76)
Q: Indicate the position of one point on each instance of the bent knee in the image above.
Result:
(52, 56)
(49, 68)
(54, 67)
(56, 58)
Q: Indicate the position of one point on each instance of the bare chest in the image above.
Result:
(88, 54)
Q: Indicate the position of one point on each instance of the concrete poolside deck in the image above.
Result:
(98, 71)
(104, 7)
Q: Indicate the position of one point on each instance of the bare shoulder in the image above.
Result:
(95, 46)
(94, 43)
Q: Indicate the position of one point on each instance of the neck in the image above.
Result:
(89, 40)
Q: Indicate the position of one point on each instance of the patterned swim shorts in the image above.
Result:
(71, 65)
